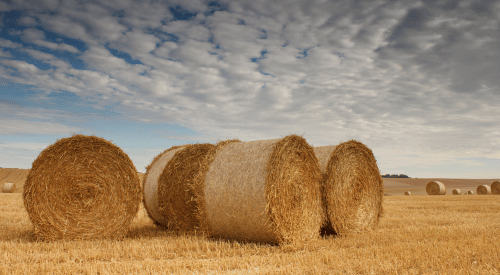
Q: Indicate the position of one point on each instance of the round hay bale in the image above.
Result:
(495, 188)
(470, 192)
(352, 187)
(466, 193)
(150, 183)
(82, 187)
(176, 195)
(435, 188)
(483, 190)
(9, 187)
(264, 191)
(456, 192)
(407, 193)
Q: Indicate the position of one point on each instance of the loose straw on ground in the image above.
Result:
(456, 192)
(264, 191)
(483, 190)
(435, 188)
(495, 188)
(352, 187)
(82, 187)
(9, 187)
(150, 187)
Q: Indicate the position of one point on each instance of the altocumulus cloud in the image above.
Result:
(417, 81)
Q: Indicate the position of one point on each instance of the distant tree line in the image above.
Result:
(395, 176)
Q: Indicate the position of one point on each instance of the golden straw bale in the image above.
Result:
(9, 187)
(352, 187)
(435, 188)
(264, 191)
(150, 183)
(82, 187)
(495, 188)
(483, 190)
(456, 192)
(470, 192)
(407, 193)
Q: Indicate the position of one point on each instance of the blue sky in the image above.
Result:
(416, 81)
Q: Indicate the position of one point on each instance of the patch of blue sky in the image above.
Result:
(214, 6)
(180, 13)
(262, 56)
(123, 55)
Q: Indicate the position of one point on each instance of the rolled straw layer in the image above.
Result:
(82, 187)
(483, 190)
(352, 187)
(9, 187)
(264, 191)
(150, 186)
(495, 188)
(435, 188)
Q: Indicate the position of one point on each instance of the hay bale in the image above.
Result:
(150, 183)
(495, 188)
(407, 193)
(352, 187)
(82, 187)
(9, 187)
(483, 190)
(456, 192)
(470, 192)
(176, 195)
(435, 188)
(264, 191)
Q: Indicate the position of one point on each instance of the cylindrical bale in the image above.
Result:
(470, 192)
(435, 188)
(264, 191)
(9, 187)
(82, 187)
(495, 188)
(150, 183)
(352, 187)
(483, 190)
(177, 198)
(407, 193)
(456, 192)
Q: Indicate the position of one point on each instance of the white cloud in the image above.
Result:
(4, 43)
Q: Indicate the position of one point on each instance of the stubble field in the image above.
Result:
(417, 235)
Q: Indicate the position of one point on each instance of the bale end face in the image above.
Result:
(435, 188)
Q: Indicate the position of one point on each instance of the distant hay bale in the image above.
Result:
(82, 187)
(456, 192)
(466, 193)
(176, 195)
(9, 187)
(407, 193)
(470, 192)
(150, 183)
(352, 187)
(495, 188)
(435, 188)
(264, 191)
(483, 190)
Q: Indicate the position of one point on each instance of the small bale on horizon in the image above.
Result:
(495, 188)
(456, 192)
(407, 193)
(483, 190)
(435, 188)
(470, 192)
(9, 187)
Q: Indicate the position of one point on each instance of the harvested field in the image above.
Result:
(396, 186)
(429, 241)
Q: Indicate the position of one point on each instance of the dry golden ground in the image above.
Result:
(416, 235)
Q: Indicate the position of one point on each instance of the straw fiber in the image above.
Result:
(9, 187)
(352, 187)
(495, 188)
(456, 192)
(435, 188)
(150, 185)
(176, 194)
(264, 191)
(483, 190)
(407, 193)
(82, 187)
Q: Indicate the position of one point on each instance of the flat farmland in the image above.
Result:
(416, 235)
(395, 186)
